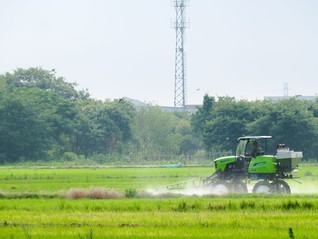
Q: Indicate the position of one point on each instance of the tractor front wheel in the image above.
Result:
(280, 187)
(238, 187)
(220, 188)
(262, 187)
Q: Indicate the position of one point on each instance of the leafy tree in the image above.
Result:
(156, 132)
(42, 116)
(23, 133)
(189, 143)
(291, 121)
(44, 80)
(105, 127)
(295, 126)
(221, 122)
(313, 107)
(203, 115)
(36, 121)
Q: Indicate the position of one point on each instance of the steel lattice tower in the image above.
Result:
(180, 25)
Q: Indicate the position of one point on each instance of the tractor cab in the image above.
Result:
(260, 164)
(252, 146)
(253, 151)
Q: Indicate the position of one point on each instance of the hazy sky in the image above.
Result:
(125, 48)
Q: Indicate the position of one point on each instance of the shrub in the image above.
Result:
(130, 193)
(93, 193)
(76, 193)
(103, 193)
(69, 157)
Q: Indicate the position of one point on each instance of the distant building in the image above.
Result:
(301, 97)
(138, 104)
(187, 108)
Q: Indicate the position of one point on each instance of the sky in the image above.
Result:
(246, 49)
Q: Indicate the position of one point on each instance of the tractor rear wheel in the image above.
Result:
(280, 187)
(262, 187)
(220, 188)
(238, 186)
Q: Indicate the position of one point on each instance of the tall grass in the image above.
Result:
(230, 217)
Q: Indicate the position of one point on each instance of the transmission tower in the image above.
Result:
(285, 89)
(180, 25)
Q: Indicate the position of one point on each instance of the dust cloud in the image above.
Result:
(307, 185)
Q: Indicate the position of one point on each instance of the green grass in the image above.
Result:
(48, 180)
(229, 217)
(233, 216)
(51, 180)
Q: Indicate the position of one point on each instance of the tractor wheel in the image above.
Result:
(220, 188)
(238, 187)
(262, 187)
(280, 187)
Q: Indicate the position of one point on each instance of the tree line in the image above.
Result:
(292, 121)
(44, 117)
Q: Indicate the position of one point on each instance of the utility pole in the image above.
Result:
(179, 82)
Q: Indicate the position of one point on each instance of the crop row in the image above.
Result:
(188, 204)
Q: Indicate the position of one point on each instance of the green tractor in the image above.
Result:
(252, 163)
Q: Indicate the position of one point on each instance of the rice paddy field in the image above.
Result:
(118, 203)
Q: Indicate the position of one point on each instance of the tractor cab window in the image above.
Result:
(240, 149)
(254, 148)
(249, 148)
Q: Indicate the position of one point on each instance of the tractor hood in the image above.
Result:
(220, 163)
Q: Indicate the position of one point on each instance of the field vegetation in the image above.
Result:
(15, 180)
(38, 203)
(50, 180)
(227, 217)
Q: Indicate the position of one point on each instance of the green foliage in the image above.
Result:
(43, 117)
(44, 80)
(23, 132)
(159, 132)
(105, 127)
(203, 115)
(292, 122)
(33, 122)
(221, 122)
(69, 156)
(130, 193)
